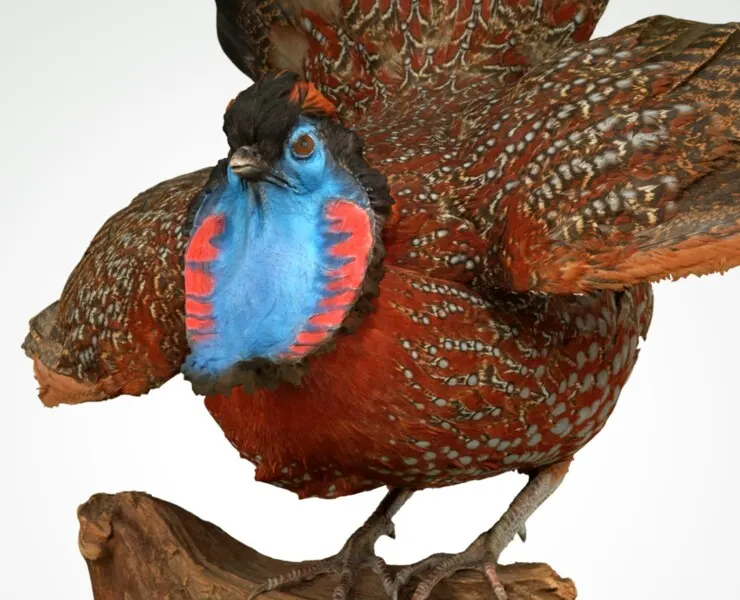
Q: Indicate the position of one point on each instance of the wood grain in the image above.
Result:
(141, 548)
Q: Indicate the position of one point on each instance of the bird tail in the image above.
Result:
(354, 50)
(44, 344)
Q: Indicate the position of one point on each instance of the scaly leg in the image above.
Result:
(358, 552)
(483, 554)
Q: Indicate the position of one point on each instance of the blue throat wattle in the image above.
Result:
(271, 271)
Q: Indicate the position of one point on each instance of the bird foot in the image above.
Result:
(437, 567)
(356, 554)
(482, 555)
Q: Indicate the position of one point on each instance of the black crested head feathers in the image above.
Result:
(263, 116)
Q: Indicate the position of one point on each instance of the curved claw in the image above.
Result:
(489, 570)
(344, 567)
(357, 553)
(297, 575)
(441, 566)
(380, 568)
(523, 533)
(482, 555)
(260, 589)
(408, 573)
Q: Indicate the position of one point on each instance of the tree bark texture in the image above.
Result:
(141, 548)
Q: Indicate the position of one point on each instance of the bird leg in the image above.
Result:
(357, 553)
(483, 554)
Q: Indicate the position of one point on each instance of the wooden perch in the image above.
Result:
(141, 548)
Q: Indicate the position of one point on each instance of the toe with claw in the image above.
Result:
(438, 567)
(357, 553)
(482, 555)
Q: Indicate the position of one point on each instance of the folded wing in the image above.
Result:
(622, 163)
(118, 327)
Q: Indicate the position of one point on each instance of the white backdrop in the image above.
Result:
(100, 100)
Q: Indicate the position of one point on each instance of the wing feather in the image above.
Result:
(118, 327)
(634, 175)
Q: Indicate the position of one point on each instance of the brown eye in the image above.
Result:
(303, 146)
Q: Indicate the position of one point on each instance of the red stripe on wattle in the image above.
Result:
(201, 248)
(339, 300)
(198, 282)
(347, 248)
(336, 285)
(296, 351)
(311, 338)
(350, 274)
(348, 218)
(201, 337)
(193, 324)
(330, 319)
(197, 308)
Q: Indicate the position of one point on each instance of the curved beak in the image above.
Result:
(247, 163)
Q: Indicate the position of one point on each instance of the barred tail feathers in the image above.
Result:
(356, 49)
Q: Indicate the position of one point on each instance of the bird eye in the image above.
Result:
(303, 147)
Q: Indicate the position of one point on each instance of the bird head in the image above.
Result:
(285, 246)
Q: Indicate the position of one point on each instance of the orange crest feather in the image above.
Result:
(312, 101)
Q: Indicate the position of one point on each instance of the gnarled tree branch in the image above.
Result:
(140, 548)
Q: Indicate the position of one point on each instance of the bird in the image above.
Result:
(427, 257)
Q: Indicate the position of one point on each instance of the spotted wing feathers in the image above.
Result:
(622, 163)
(118, 326)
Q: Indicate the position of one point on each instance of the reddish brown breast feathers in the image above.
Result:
(439, 386)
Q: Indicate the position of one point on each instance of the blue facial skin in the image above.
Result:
(272, 263)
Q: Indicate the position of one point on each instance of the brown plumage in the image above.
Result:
(541, 183)
(119, 325)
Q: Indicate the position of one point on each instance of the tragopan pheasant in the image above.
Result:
(461, 298)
